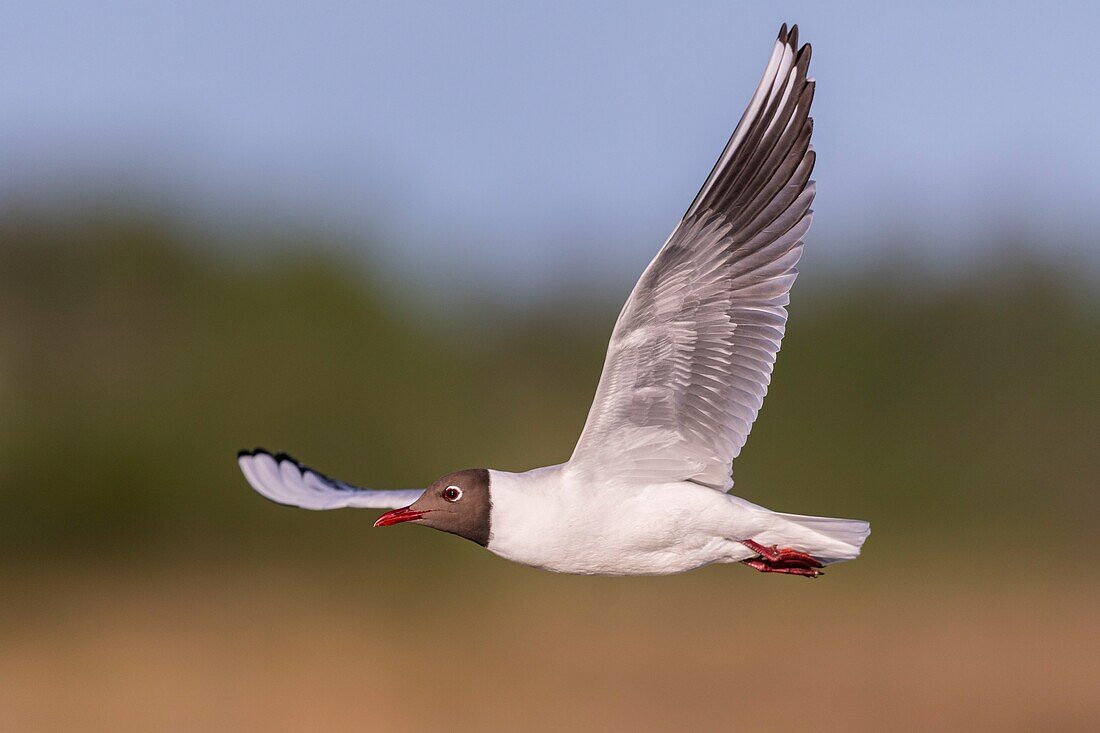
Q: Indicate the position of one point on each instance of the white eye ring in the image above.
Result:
(452, 493)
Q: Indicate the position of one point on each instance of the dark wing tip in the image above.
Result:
(744, 171)
(281, 457)
(807, 52)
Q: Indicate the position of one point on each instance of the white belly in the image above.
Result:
(541, 521)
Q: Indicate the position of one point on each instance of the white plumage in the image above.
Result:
(687, 368)
(556, 520)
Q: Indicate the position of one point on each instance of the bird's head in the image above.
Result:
(457, 503)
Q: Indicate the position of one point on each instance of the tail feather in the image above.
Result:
(843, 537)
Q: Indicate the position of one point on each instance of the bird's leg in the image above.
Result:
(775, 554)
(782, 560)
(768, 553)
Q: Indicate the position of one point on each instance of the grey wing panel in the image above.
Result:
(691, 356)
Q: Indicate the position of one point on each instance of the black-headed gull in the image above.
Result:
(687, 368)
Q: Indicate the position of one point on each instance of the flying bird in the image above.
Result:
(645, 491)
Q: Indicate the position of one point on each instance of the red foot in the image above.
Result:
(763, 567)
(782, 560)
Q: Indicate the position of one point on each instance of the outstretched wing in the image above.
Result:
(282, 479)
(691, 355)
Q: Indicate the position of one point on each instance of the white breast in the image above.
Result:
(546, 519)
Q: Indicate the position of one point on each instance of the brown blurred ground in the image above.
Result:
(723, 649)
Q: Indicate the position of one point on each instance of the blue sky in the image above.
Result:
(530, 140)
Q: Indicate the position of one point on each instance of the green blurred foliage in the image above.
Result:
(135, 362)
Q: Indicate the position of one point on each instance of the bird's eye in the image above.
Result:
(452, 493)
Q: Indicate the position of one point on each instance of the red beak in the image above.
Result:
(404, 514)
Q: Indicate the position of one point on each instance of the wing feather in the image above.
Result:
(691, 355)
(284, 480)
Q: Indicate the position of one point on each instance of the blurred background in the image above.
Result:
(321, 228)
